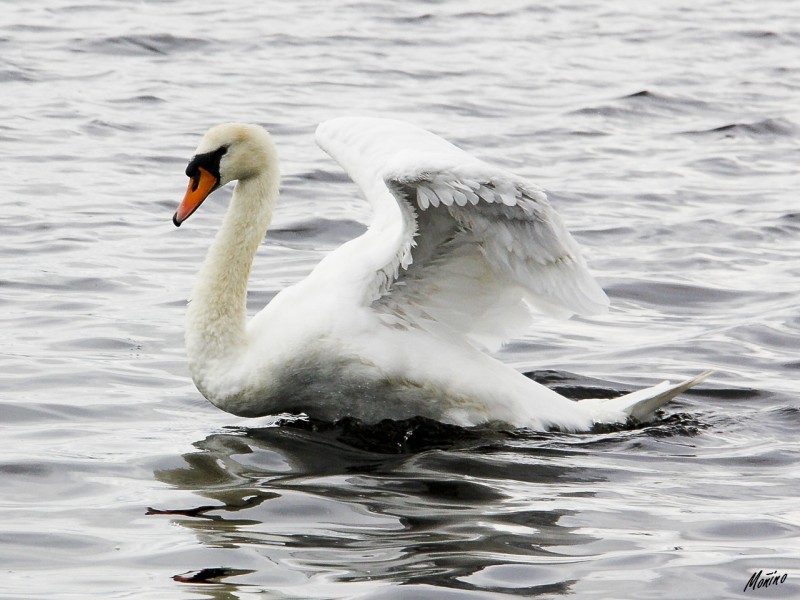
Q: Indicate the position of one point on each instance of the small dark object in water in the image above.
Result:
(185, 512)
(209, 575)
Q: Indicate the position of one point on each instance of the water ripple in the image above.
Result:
(144, 44)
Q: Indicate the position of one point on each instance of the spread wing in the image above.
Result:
(461, 244)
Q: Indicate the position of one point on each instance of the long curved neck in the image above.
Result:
(217, 314)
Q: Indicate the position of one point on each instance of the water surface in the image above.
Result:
(666, 136)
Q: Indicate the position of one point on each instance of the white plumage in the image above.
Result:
(394, 323)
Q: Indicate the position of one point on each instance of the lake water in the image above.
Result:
(667, 135)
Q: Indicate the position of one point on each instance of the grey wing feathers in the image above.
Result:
(519, 235)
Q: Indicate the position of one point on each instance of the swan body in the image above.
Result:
(396, 322)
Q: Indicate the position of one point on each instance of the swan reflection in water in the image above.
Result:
(328, 503)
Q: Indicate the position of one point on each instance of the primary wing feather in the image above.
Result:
(480, 245)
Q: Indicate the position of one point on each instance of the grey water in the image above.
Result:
(667, 134)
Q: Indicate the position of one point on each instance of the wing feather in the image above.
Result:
(488, 243)
(424, 199)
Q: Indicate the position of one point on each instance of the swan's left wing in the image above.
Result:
(458, 242)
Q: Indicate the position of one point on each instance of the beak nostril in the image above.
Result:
(195, 182)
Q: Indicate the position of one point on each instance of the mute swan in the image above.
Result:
(394, 323)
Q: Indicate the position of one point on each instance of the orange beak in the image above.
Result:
(200, 186)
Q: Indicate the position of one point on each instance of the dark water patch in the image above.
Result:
(278, 39)
(766, 336)
(96, 8)
(484, 14)
(9, 74)
(25, 249)
(350, 447)
(33, 27)
(781, 417)
(779, 229)
(49, 157)
(464, 17)
(417, 74)
(48, 281)
(355, 40)
(102, 344)
(44, 413)
(662, 426)
(769, 128)
(413, 436)
(774, 462)
(641, 94)
(327, 230)
(450, 490)
(604, 110)
(676, 102)
(607, 235)
(31, 481)
(758, 34)
(392, 437)
(646, 103)
(792, 365)
(479, 452)
(301, 450)
(578, 387)
(743, 393)
(162, 44)
(487, 110)
(410, 19)
(143, 99)
(558, 132)
(26, 469)
(521, 460)
(683, 295)
(103, 128)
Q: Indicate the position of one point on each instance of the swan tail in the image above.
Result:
(639, 406)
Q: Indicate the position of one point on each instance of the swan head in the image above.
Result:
(227, 152)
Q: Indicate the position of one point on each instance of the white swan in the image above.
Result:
(394, 323)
